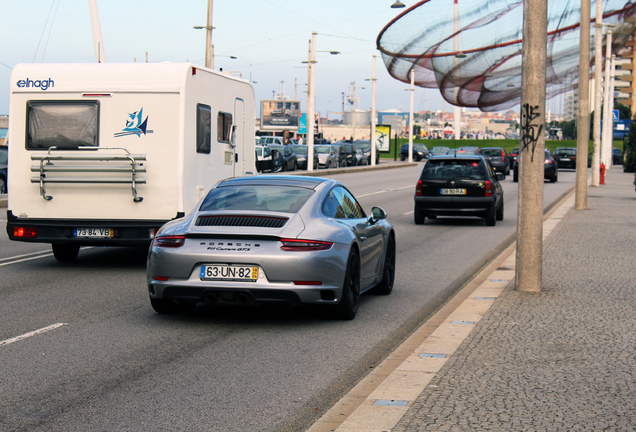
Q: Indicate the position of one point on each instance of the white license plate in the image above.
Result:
(447, 191)
(229, 273)
(93, 232)
(565, 159)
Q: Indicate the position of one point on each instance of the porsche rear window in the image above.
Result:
(257, 198)
(453, 169)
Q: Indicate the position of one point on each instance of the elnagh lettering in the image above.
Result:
(41, 84)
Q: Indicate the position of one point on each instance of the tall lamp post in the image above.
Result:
(311, 98)
(209, 48)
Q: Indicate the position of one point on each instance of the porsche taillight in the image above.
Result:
(305, 245)
(172, 241)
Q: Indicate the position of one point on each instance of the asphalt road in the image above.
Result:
(110, 363)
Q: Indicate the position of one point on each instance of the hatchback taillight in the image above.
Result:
(418, 188)
(170, 241)
(488, 188)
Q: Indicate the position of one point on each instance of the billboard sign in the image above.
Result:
(280, 114)
(383, 138)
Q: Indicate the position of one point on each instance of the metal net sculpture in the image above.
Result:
(471, 49)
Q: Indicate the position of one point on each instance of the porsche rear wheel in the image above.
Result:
(348, 306)
(388, 277)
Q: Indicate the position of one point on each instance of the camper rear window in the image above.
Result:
(204, 128)
(224, 127)
(62, 124)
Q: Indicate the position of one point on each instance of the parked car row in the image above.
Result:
(278, 157)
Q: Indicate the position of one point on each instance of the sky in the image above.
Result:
(270, 39)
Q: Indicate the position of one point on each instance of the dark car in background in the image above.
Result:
(513, 155)
(420, 151)
(498, 159)
(459, 186)
(302, 152)
(365, 146)
(565, 157)
(617, 156)
(347, 153)
(290, 161)
(550, 168)
(4, 162)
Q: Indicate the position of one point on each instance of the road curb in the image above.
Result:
(384, 396)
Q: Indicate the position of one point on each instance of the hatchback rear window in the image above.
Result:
(491, 152)
(453, 169)
(565, 152)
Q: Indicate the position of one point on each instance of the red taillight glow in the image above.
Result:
(25, 232)
(488, 188)
(503, 154)
(170, 241)
(305, 245)
(160, 278)
(418, 188)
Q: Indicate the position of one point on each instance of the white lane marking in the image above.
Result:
(15, 260)
(408, 213)
(383, 191)
(29, 334)
(23, 255)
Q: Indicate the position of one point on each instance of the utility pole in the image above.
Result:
(311, 101)
(209, 48)
(373, 114)
(583, 116)
(411, 116)
(598, 76)
(97, 32)
(529, 255)
(606, 139)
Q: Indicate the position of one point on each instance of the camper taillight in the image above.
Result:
(194, 71)
(25, 232)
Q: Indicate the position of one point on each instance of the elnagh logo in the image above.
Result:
(135, 125)
(41, 84)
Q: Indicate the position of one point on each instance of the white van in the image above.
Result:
(104, 154)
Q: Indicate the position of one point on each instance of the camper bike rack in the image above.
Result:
(99, 165)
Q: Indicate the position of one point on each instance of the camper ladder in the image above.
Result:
(98, 165)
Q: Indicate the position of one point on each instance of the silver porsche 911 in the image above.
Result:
(273, 239)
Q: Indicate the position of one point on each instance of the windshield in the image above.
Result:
(300, 149)
(323, 149)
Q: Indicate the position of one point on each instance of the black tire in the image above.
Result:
(168, 307)
(401, 158)
(295, 166)
(388, 276)
(350, 301)
(65, 252)
(555, 177)
(500, 212)
(418, 217)
(491, 216)
(515, 177)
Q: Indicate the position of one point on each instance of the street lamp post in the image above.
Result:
(311, 101)
(606, 152)
(373, 114)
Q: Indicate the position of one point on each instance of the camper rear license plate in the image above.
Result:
(229, 273)
(93, 232)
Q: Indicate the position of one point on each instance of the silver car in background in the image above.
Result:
(327, 156)
(273, 239)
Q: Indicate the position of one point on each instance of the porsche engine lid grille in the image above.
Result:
(242, 221)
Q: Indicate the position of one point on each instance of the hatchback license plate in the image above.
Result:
(229, 273)
(453, 191)
(93, 232)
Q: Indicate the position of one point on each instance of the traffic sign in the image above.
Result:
(615, 115)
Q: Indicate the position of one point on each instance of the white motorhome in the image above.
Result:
(104, 154)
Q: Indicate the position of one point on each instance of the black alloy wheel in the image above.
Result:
(350, 301)
(388, 277)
